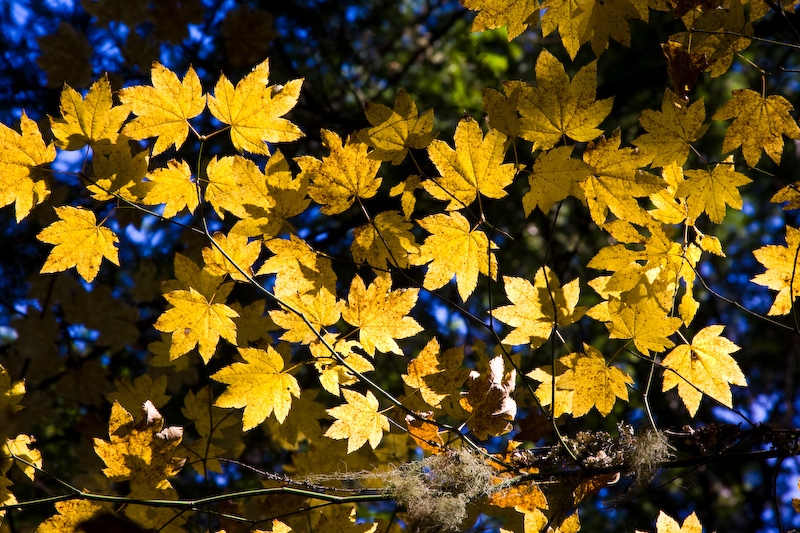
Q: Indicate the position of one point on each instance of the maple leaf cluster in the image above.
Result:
(315, 322)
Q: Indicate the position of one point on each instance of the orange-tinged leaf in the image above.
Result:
(475, 166)
(489, 400)
(617, 181)
(172, 186)
(558, 107)
(455, 249)
(242, 253)
(89, 120)
(710, 191)
(555, 176)
(142, 452)
(645, 322)
(163, 110)
(531, 313)
(254, 110)
(517, 14)
(424, 433)
(358, 421)
(21, 183)
(436, 375)
(384, 241)
(671, 130)
(342, 176)
(194, 320)
(396, 130)
(79, 242)
(783, 271)
(381, 314)
(260, 385)
(703, 367)
(759, 123)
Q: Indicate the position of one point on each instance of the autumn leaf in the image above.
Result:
(254, 111)
(344, 521)
(381, 314)
(339, 178)
(320, 309)
(424, 433)
(72, 513)
(405, 190)
(710, 191)
(21, 182)
(298, 267)
(118, 173)
(502, 108)
(358, 421)
(79, 242)
(131, 395)
(759, 123)
(790, 193)
(489, 400)
(26, 457)
(594, 383)
(163, 110)
(475, 166)
(142, 452)
(671, 131)
(782, 274)
(531, 312)
(703, 367)
(332, 373)
(395, 131)
(90, 120)
(517, 14)
(555, 175)
(386, 240)
(558, 107)
(260, 385)
(645, 322)
(667, 524)
(194, 320)
(436, 374)
(242, 254)
(455, 249)
(172, 186)
(234, 182)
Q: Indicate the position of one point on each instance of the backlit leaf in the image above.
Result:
(710, 191)
(358, 421)
(396, 130)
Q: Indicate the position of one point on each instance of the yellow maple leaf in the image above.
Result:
(260, 385)
(342, 176)
(163, 110)
(358, 421)
(489, 400)
(320, 309)
(531, 313)
(565, 390)
(396, 130)
(703, 367)
(645, 322)
(172, 186)
(71, 514)
(131, 395)
(299, 268)
(517, 14)
(118, 172)
(759, 123)
(194, 320)
(380, 314)
(557, 107)
(21, 182)
(20, 448)
(783, 271)
(455, 249)
(562, 15)
(386, 240)
(475, 166)
(617, 181)
(141, 452)
(332, 374)
(90, 120)
(218, 431)
(555, 176)
(190, 274)
(242, 253)
(235, 183)
(667, 524)
(710, 191)
(11, 393)
(79, 242)
(405, 190)
(436, 374)
(254, 110)
(502, 109)
(790, 193)
(671, 130)
(601, 20)
(593, 382)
